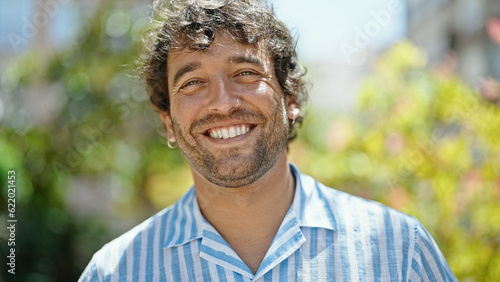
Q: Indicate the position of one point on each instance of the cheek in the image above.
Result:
(262, 95)
(186, 109)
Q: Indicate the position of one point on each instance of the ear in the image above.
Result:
(167, 121)
(292, 108)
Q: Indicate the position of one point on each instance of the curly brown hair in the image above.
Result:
(193, 24)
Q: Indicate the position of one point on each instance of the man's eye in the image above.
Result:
(246, 73)
(193, 82)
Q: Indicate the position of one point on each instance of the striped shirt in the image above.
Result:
(326, 235)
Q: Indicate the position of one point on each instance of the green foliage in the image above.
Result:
(422, 142)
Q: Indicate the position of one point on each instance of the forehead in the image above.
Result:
(222, 46)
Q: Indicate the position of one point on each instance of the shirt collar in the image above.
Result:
(186, 221)
(311, 204)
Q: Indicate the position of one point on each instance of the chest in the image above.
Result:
(323, 256)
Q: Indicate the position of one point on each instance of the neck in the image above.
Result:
(274, 190)
(248, 217)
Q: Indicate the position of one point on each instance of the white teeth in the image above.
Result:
(232, 132)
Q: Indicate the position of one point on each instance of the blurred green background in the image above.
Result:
(94, 162)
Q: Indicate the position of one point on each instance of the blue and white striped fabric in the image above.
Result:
(326, 235)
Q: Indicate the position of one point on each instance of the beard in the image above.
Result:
(236, 167)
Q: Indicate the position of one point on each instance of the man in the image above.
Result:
(223, 76)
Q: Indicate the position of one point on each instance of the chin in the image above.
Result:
(234, 175)
(232, 184)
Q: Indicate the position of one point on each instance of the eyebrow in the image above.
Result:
(185, 69)
(254, 60)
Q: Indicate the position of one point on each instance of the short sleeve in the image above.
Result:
(428, 263)
(90, 273)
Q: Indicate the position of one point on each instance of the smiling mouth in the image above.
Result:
(228, 132)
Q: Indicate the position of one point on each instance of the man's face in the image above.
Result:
(227, 111)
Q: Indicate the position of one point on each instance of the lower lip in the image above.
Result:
(229, 140)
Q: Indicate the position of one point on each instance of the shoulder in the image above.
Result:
(127, 250)
(427, 259)
(349, 207)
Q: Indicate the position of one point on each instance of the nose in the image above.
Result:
(223, 98)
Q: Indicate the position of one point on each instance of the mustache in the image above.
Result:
(239, 114)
